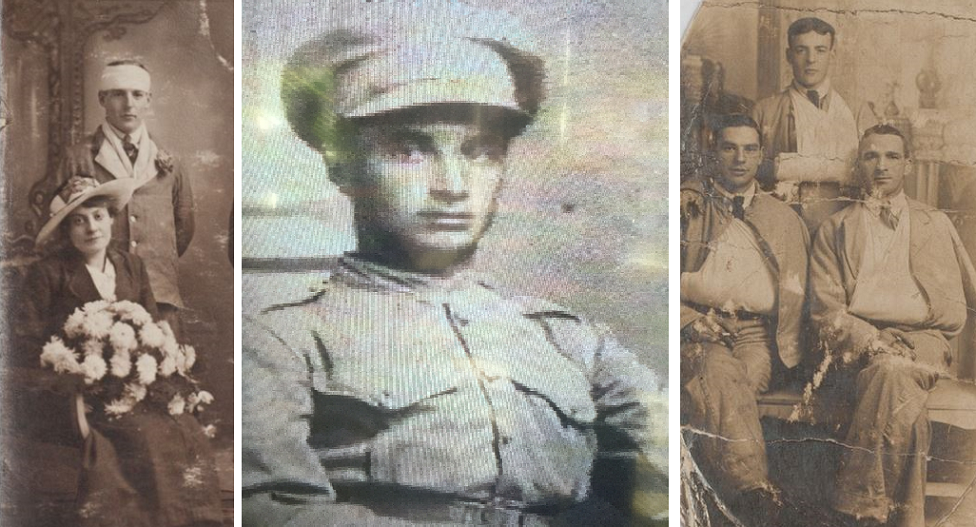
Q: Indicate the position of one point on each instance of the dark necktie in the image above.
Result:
(888, 217)
(130, 149)
(814, 97)
(737, 207)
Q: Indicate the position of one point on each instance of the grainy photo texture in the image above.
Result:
(454, 263)
(116, 151)
(828, 226)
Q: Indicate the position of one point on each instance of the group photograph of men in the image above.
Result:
(828, 223)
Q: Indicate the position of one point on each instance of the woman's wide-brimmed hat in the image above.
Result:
(75, 192)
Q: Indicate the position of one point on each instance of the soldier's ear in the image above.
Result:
(101, 97)
(343, 172)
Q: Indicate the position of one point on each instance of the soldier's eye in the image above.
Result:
(484, 149)
(407, 148)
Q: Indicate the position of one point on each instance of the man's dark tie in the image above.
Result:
(814, 97)
(737, 207)
(888, 217)
(130, 149)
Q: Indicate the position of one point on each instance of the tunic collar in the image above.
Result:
(358, 272)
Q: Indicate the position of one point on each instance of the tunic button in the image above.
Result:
(506, 440)
(134, 243)
(132, 218)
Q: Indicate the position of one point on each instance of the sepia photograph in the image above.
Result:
(828, 229)
(454, 263)
(117, 362)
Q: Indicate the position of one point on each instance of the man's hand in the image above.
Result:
(896, 342)
(711, 328)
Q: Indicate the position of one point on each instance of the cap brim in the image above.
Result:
(119, 191)
(431, 93)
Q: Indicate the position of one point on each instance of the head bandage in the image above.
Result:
(124, 77)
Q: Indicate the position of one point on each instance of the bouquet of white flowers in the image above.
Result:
(125, 359)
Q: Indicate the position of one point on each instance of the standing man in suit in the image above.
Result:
(157, 224)
(809, 117)
(890, 285)
(743, 278)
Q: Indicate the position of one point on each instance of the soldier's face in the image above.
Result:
(432, 186)
(125, 109)
(882, 164)
(810, 54)
(739, 154)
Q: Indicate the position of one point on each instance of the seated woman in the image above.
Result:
(145, 467)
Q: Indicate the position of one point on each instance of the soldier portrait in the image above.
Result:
(453, 264)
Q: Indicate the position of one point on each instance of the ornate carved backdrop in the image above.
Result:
(61, 29)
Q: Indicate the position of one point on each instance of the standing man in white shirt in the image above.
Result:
(158, 222)
(810, 117)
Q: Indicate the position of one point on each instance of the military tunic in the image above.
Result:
(387, 381)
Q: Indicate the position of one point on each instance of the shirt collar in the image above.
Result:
(823, 90)
(135, 136)
(898, 204)
(747, 195)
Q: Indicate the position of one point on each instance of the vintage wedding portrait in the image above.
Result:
(117, 156)
(454, 263)
(828, 229)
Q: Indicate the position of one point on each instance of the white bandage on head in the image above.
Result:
(124, 77)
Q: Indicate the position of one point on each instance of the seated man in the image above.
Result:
(890, 282)
(743, 278)
(407, 390)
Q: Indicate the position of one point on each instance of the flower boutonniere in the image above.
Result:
(164, 161)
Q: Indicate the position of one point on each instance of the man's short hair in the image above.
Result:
(733, 121)
(887, 129)
(808, 24)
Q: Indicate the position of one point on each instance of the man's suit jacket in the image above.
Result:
(158, 222)
(939, 263)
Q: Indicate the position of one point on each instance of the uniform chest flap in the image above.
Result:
(400, 369)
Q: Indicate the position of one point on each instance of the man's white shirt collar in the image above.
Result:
(898, 204)
(135, 136)
(822, 91)
(747, 194)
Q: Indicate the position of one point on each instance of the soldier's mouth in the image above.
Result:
(447, 220)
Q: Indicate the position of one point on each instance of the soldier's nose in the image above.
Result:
(450, 178)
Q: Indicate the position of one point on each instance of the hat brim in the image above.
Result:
(118, 192)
